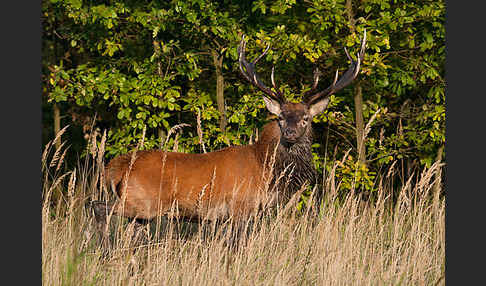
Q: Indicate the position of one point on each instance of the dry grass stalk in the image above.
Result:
(48, 148)
(353, 242)
(368, 125)
(199, 130)
(61, 160)
(174, 129)
(56, 156)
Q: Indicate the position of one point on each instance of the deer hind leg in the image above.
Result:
(102, 210)
(235, 232)
(139, 235)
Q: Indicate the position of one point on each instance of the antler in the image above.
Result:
(249, 72)
(317, 73)
(345, 80)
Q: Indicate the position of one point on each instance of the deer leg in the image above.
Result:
(238, 232)
(139, 235)
(101, 212)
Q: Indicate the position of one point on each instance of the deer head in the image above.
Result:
(294, 119)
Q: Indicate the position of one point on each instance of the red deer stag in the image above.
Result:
(233, 181)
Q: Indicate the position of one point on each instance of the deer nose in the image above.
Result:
(290, 133)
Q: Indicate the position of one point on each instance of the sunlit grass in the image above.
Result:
(351, 242)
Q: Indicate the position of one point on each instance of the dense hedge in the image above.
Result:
(135, 65)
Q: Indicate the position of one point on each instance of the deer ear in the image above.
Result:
(272, 105)
(318, 107)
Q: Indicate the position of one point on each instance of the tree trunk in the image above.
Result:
(438, 183)
(218, 64)
(358, 103)
(358, 97)
(57, 124)
(350, 15)
(160, 130)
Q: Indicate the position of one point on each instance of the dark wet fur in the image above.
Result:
(295, 161)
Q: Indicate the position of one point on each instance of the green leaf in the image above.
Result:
(120, 114)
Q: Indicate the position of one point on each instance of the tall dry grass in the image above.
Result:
(351, 242)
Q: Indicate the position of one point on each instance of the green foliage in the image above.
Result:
(149, 65)
(354, 175)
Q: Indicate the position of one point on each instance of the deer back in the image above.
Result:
(227, 182)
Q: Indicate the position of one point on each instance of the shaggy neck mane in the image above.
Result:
(293, 162)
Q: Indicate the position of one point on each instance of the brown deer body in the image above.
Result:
(215, 184)
(234, 181)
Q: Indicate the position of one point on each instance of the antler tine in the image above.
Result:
(273, 82)
(363, 45)
(261, 56)
(317, 73)
(249, 72)
(242, 58)
(347, 77)
(335, 78)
